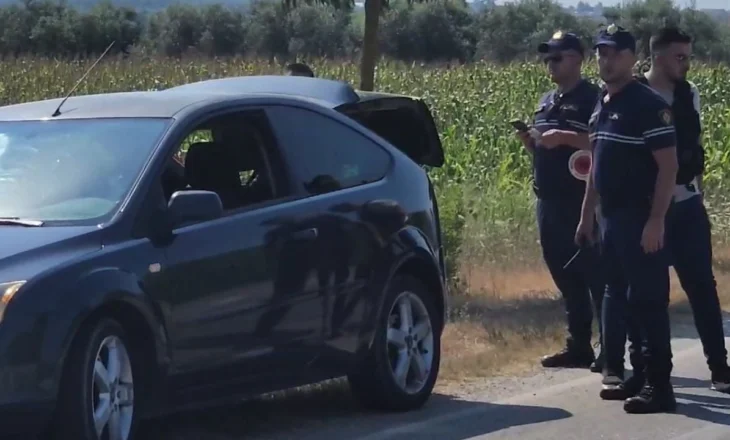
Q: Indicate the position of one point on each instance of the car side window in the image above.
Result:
(325, 154)
(230, 155)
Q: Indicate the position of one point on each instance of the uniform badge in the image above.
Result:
(569, 107)
(666, 116)
(614, 116)
(558, 35)
(611, 29)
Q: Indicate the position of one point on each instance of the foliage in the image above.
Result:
(444, 30)
(484, 189)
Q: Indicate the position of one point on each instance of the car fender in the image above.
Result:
(93, 291)
(407, 245)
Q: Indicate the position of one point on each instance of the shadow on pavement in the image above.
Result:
(332, 411)
(709, 408)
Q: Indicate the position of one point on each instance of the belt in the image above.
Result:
(686, 191)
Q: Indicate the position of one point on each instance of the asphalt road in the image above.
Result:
(558, 404)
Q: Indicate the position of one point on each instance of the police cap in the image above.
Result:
(561, 41)
(616, 37)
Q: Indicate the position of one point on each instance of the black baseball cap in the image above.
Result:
(561, 41)
(616, 37)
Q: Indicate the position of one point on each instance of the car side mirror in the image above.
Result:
(192, 206)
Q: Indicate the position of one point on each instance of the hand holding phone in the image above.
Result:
(519, 126)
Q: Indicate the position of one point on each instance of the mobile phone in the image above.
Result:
(519, 126)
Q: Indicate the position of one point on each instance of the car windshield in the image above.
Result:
(72, 170)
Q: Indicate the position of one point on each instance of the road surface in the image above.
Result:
(561, 404)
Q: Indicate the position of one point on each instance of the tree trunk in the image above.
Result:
(370, 45)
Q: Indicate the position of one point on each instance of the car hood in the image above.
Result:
(27, 251)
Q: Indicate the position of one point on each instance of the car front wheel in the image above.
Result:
(402, 366)
(97, 395)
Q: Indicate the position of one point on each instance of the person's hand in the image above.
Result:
(652, 239)
(584, 233)
(552, 138)
(524, 137)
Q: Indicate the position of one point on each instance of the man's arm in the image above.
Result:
(575, 139)
(527, 141)
(697, 106)
(666, 160)
(661, 138)
(590, 200)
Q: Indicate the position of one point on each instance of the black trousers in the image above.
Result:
(637, 299)
(689, 243)
(582, 280)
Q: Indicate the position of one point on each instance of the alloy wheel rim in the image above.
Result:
(112, 391)
(410, 343)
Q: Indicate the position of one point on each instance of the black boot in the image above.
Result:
(652, 399)
(597, 365)
(622, 390)
(570, 357)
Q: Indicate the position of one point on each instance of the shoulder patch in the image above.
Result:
(665, 116)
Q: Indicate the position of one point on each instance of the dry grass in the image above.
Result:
(508, 318)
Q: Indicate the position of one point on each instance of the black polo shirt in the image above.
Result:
(625, 130)
(567, 111)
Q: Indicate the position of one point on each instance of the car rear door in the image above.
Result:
(339, 174)
(407, 124)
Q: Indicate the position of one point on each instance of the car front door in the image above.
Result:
(230, 312)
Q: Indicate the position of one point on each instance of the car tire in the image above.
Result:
(374, 382)
(98, 386)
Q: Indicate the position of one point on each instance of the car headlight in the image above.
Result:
(7, 291)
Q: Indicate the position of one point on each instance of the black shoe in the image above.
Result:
(570, 358)
(652, 399)
(597, 365)
(623, 390)
(721, 379)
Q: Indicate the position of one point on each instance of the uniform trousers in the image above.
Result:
(637, 298)
(582, 280)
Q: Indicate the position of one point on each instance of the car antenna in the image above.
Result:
(78, 83)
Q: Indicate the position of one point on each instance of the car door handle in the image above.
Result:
(305, 234)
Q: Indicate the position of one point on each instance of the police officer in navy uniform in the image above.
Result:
(689, 238)
(560, 129)
(633, 176)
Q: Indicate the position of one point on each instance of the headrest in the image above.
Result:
(210, 166)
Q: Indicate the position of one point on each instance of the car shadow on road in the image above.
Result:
(332, 411)
(713, 409)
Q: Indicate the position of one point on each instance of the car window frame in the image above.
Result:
(343, 121)
(142, 227)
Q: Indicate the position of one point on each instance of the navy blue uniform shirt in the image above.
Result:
(568, 111)
(625, 130)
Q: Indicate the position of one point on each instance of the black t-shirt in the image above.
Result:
(568, 111)
(625, 130)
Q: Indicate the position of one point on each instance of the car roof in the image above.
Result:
(333, 93)
(167, 103)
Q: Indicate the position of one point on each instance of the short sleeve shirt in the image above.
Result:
(569, 111)
(625, 130)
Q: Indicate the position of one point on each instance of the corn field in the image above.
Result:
(484, 188)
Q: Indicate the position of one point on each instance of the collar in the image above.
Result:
(621, 93)
(578, 86)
